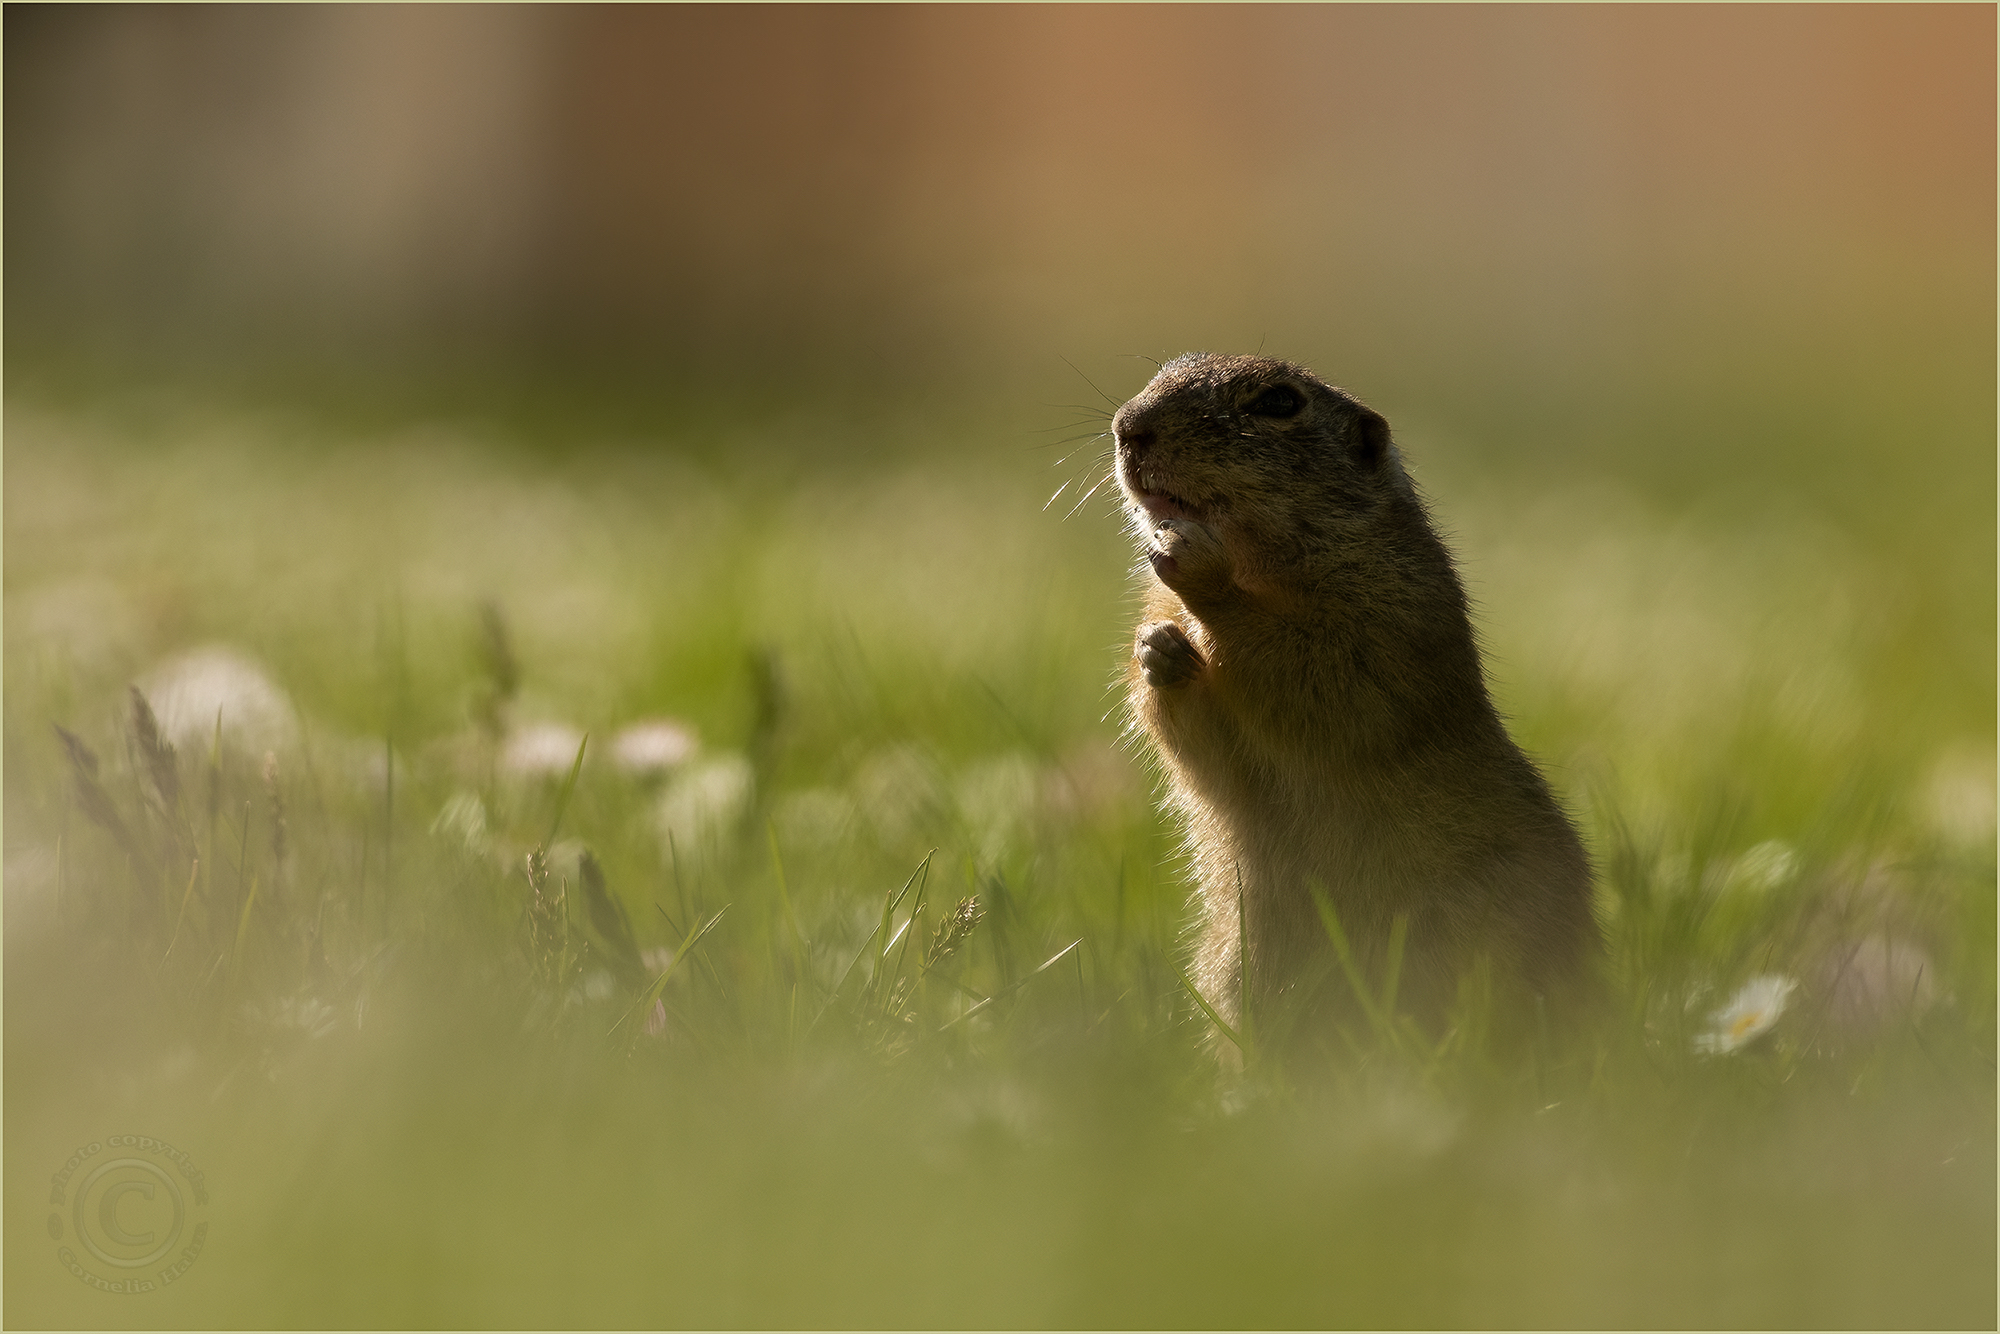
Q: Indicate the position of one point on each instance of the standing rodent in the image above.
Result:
(1306, 668)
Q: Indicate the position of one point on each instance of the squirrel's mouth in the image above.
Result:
(1146, 491)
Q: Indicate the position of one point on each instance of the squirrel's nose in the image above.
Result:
(1134, 432)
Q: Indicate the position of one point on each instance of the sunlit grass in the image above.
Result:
(839, 983)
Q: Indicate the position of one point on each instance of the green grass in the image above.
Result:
(414, 1055)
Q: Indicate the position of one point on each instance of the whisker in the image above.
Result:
(1087, 427)
(1087, 380)
(1058, 444)
(1101, 454)
(1086, 497)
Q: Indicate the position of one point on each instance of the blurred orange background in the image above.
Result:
(1566, 191)
(1693, 247)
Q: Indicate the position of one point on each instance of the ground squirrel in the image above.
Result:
(1306, 668)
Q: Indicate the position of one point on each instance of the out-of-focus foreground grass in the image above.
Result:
(425, 1075)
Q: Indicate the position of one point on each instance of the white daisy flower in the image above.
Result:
(704, 802)
(191, 692)
(1749, 1015)
(652, 745)
(541, 749)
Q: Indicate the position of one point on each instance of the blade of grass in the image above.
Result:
(906, 935)
(1345, 956)
(706, 962)
(797, 937)
(890, 903)
(568, 788)
(242, 931)
(860, 953)
(1399, 931)
(1221, 1024)
(194, 872)
(1016, 986)
(659, 984)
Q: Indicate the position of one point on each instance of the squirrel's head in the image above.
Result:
(1280, 464)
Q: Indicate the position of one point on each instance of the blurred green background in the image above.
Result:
(425, 387)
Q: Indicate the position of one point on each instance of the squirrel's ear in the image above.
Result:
(1371, 443)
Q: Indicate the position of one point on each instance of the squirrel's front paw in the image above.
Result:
(1188, 555)
(1166, 655)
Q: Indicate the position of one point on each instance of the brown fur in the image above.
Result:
(1307, 671)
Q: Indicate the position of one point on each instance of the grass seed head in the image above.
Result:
(953, 930)
(82, 758)
(548, 918)
(91, 797)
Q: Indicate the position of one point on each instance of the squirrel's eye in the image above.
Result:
(1278, 401)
